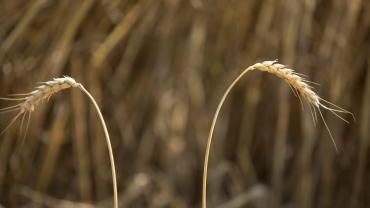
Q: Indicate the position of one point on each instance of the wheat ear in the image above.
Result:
(29, 101)
(300, 88)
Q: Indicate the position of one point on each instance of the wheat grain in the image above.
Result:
(300, 88)
(30, 101)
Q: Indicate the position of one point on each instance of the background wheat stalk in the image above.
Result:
(29, 102)
(300, 88)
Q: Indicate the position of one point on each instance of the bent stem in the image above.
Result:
(210, 135)
(107, 138)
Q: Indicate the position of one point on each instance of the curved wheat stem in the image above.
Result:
(30, 101)
(300, 88)
(115, 192)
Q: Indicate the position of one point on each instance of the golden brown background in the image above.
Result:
(158, 69)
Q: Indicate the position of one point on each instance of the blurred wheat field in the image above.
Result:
(158, 69)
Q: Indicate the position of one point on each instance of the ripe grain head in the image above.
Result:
(29, 101)
(46, 90)
(300, 88)
(295, 80)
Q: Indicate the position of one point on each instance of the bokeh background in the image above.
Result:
(158, 69)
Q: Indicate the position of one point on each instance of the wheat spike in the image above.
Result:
(300, 88)
(40, 94)
(298, 83)
(34, 98)
(29, 101)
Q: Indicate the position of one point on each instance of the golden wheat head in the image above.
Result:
(300, 87)
(43, 92)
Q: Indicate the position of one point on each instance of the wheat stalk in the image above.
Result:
(300, 88)
(30, 101)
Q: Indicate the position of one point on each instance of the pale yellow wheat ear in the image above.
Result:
(300, 88)
(29, 101)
